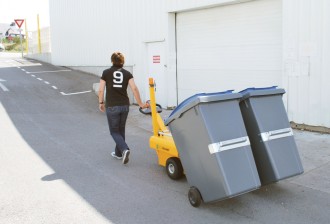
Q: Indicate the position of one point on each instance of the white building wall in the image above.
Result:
(33, 45)
(186, 5)
(306, 55)
(85, 33)
(229, 47)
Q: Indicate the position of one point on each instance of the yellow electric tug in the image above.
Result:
(161, 140)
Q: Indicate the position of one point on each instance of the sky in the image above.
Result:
(25, 9)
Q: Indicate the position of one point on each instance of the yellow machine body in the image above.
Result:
(161, 140)
(165, 148)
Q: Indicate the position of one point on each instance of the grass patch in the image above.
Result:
(15, 45)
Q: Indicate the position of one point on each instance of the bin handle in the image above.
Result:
(276, 134)
(228, 144)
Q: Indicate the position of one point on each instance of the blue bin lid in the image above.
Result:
(200, 98)
(252, 91)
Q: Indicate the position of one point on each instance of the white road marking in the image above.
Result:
(54, 87)
(50, 71)
(23, 70)
(67, 94)
(2, 86)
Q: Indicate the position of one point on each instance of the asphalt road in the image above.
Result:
(55, 163)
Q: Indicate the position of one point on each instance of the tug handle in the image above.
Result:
(147, 111)
(155, 125)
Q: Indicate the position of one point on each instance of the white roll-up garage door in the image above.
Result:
(229, 47)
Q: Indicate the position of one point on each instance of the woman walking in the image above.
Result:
(116, 80)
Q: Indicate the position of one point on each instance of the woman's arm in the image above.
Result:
(136, 93)
(101, 95)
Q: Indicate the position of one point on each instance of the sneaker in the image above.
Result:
(125, 156)
(113, 154)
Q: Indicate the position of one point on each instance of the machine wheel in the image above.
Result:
(194, 197)
(174, 168)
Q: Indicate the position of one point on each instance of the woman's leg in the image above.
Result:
(114, 120)
(123, 119)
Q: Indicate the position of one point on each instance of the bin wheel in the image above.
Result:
(194, 197)
(174, 168)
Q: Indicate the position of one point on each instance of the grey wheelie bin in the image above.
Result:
(213, 146)
(273, 145)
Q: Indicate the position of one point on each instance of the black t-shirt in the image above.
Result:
(116, 80)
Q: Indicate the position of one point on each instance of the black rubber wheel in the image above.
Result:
(174, 168)
(194, 197)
